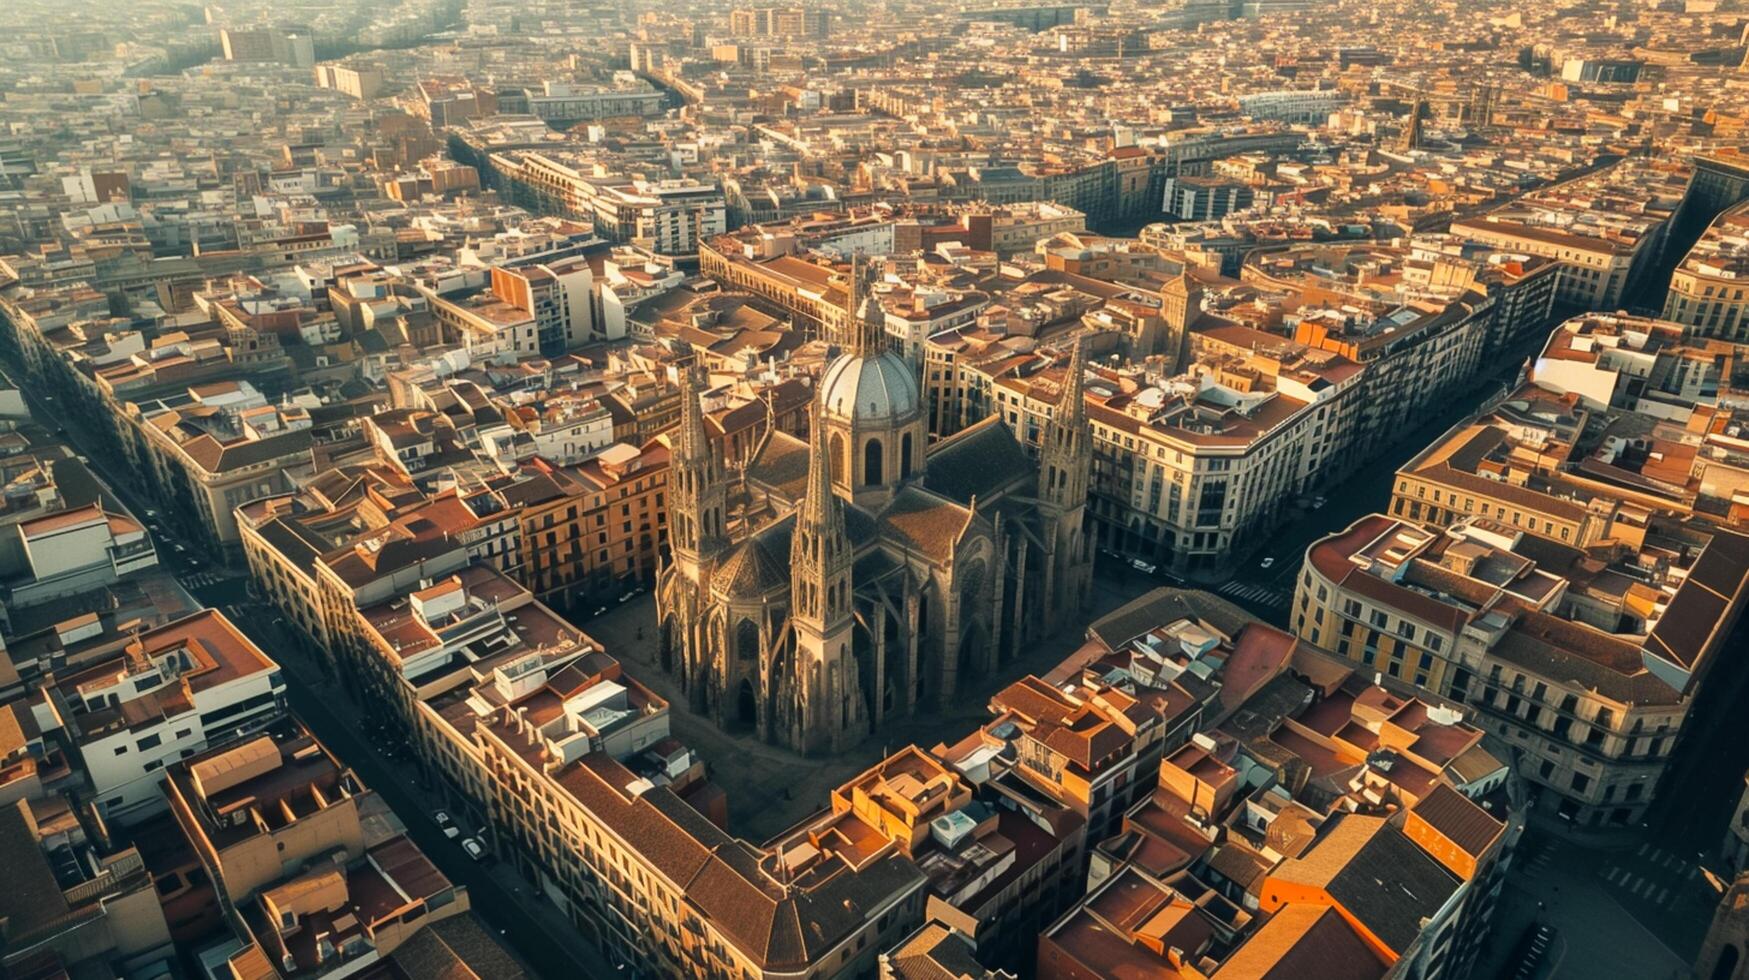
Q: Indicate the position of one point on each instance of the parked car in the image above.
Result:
(475, 848)
(1267, 562)
(445, 824)
(1142, 566)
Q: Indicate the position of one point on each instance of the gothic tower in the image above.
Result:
(697, 509)
(1065, 460)
(830, 715)
(699, 494)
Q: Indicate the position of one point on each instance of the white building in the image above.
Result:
(164, 696)
(73, 551)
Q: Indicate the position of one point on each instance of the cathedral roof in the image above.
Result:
(978, 461)
(925, 522)
(781, 466)
(879, 388)
(751, 569)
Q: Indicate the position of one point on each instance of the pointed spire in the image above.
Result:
(815, 506)
(693, 442)
(866, 322)
(1072, 407)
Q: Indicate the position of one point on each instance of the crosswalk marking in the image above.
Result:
(1663, 896)
(1645, 884)
(1692, 872)
(201, 580)
(1611, 876)
(1643, 847)
(1634, 879)
(1253, 593)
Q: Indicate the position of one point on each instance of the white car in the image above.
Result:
(445, 824)
(1267, 562)
(475, 848)
(1142, 566)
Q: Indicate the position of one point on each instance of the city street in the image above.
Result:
(1269, 591)
(1621, 910)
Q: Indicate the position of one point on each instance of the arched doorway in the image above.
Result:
(905, 456)
(871, 463)
(746, 705)
(840, 461)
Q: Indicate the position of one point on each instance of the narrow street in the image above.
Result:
(1268, 592)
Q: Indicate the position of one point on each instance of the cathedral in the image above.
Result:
(831, 585)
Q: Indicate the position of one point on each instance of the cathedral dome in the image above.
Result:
(880, 388)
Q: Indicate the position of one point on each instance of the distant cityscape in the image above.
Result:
(917, 490)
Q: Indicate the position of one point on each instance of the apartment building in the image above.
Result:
(589, 794)
(1607, 229)
(70, 551)
(1576, 666)
(1001, 864)
(1198, 198)
(1089, 749)
(311, 878)
(358, 81)
(1707, 288)
(1542, 457)
(1260, 840)
(71, 903)
(561, 102)
(1522, 286)
(668, 216)
(215, 447)
(1188, 470)
(167, 694)
(599, 531)
(559, 296)
(809, 290)
(1416, 340)
(809, 22)
(1569, 580)
(490, 327)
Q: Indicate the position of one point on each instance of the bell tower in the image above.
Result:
(1065, 460)
(831, 715)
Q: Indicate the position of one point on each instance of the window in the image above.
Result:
(149, 742)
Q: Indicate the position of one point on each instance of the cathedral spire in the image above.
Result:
(866, 321)
(698, 493)
(1066, 451)
(1072, 406)
(693, 442)
(821, 512)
